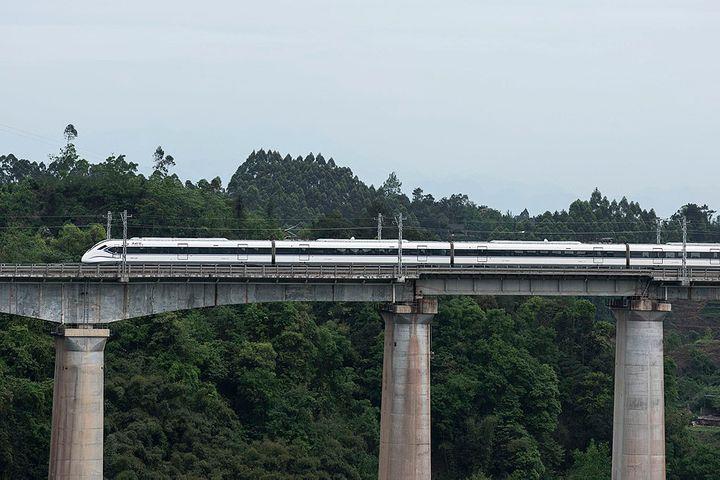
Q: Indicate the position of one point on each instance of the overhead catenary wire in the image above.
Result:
(532, 222)
(533, 228)
(442, 230)
(38, 227)
(439, 230)
(39, 217)
(414, 228)
(49, 141)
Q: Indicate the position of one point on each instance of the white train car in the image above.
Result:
(282, 252)
(181, 250)
(385, 252)
(507, 252)
(670, 255)
(368, 252)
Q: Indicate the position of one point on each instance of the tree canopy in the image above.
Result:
(522, 387)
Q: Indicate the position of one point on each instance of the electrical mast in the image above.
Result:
(399, 219)
(684, 249)
(124, 216)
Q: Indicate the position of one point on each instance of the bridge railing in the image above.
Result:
(79, 270)
(337, 271)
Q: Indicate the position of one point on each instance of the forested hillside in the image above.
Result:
(522, 387)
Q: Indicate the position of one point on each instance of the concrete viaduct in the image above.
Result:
(83, 298)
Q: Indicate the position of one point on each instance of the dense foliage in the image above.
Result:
(310, 186)
(522, 387)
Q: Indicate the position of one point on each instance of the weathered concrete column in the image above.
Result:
(405, 409)
(639, 415)
(76, 441)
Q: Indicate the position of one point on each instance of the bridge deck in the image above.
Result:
(97, 294)
(87, 272)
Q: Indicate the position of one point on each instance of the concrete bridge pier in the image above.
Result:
(405, 409)
(639, 410)
(76, 439)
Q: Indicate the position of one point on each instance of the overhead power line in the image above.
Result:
(69, 215)
(52, 142)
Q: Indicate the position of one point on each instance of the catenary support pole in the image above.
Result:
(399, 220)
(76, 439)
(684, 251)
(639, 407)
(405, 408)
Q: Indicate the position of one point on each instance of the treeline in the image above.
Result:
(522, 387)
(271, 196)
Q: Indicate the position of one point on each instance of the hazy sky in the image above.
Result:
(517, 103)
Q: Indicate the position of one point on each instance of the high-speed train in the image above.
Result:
(385, 252)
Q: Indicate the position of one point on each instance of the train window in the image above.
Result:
(694, 254)
(645, 254)
(669, 254)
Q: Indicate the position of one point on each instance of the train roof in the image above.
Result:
(551, 242)
(155, 239)
(694, 244)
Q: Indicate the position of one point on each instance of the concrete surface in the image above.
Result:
(76, 441)
(639, 407)
(405, 410)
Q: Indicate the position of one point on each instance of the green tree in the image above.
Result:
(162, 162)
(594, 462)
(70, 133)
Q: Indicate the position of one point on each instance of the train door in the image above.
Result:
(597, 254)
(422, 253)
(182, 253)
(657, 256)
(242, 254)
(304, 252)
(715, 256)
(482, 255)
